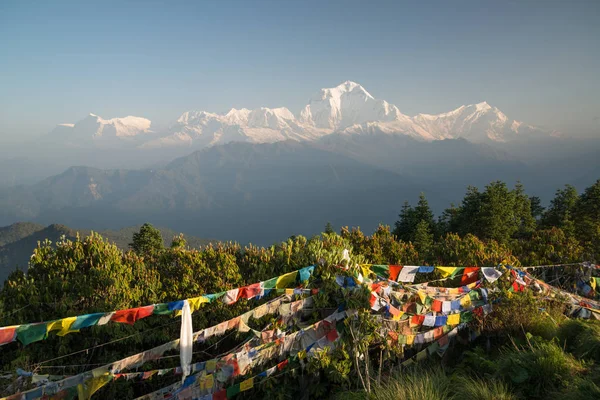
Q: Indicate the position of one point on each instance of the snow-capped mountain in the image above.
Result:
(94, 130)
(345, 109)
(346, 105)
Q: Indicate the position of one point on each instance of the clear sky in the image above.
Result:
(538, 61)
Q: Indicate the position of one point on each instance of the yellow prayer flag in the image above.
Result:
(209, 381)
(286, 280)
(366, 271)
(453, 319)
(196, 301)
(465, 301)
(410, 339)
(593, 283)
(289, 291)
(211, 365)
(446, 271)
(61, 325)
(247, 384)
(91, 386)
(422, 296)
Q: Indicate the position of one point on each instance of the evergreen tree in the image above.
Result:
(536, 207)
(448, 221)
(466, 220)
(586, 214)
(561, 210)
(423, 240)
(404, 226)
(423, 212)
(523, 216)
(329, 228)
(497, 218)
(148, 241)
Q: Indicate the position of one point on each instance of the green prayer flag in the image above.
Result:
(161, 309)
(31, 333)
(270, 284)
(233, 390)
(428, 302)
(474, 295)
(381, 270)
(466, 317)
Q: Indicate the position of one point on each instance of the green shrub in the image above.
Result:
(466, 387)
(582, 338)
(539, 369)
(415, 384)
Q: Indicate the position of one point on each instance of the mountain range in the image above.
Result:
(262, 175)
(347, 108)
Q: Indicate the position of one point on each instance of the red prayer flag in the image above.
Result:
(436, 306)
(332, 335)
(394, 271)
(282, 365)
(470, 275)
(7, 334)
(250, 291)
(125, 316)
(144, 312)
(372, 300)
(220, 395)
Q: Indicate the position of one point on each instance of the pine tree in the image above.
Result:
(423, 240)
(522, 209)
(423, 212)
(497, 219)
(536, 207)
(405, 225)
(586, 214)
(561, 210)
(329, 228)
(467, 218)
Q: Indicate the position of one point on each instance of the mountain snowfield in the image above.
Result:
(94, 130)
(347, 109)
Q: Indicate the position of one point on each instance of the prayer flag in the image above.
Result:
(305, 273)
(453, 319)
(7, 334)
(286, 280)
(491, 274)
(247, 384)
(407, 274)
(30, 333)
(394, 271)
(195, 302)
(233, 390)
(447, 271)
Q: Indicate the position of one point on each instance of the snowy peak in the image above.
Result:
(476, 122)
(347, 108)
(94, 129)
(345, 105)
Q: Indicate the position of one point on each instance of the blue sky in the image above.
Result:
(538, 61)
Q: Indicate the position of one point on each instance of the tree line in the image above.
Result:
(570, 224)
